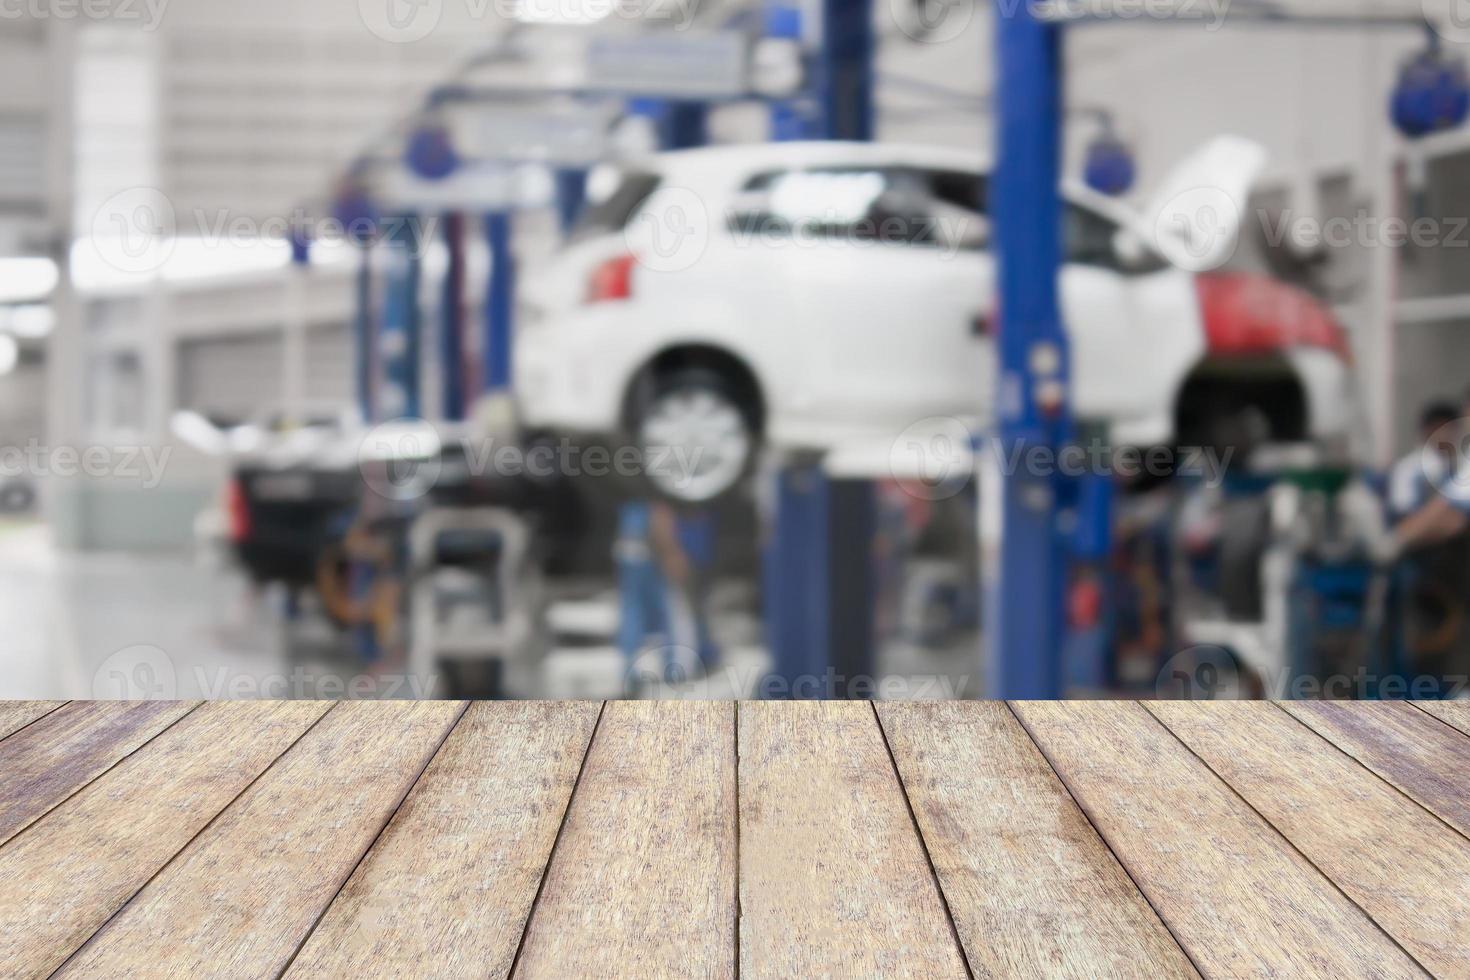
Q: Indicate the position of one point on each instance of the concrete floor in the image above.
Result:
(141, 626)
(110, 626)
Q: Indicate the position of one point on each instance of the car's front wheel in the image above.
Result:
(697, 435)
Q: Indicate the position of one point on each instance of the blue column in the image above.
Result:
(844, 71)
(399, 338)
(679, 125)
(797, 601)
(451, 315)
(571, 196)
(1026, 628)
(795, 118)
(499, 303)
(365, 334)
(819, 564)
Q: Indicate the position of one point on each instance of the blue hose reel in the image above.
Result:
(1110, 168)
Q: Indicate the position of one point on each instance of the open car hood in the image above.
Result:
(1195, 216)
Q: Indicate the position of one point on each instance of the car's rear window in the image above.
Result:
(613, 212)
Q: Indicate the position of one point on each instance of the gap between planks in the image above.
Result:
(190, 842)
(408, 791)
(903, 790)
(556, 842)
(1118, 858)
(1332, 881)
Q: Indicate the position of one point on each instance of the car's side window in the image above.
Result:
(960, 208)
(1092, 239)
(888, 205)
(1089, 237)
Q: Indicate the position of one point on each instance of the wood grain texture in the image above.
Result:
(15, 715)
(642, 880)
(71, 870)
(833, 876)
(1422, 756)
(68, 748)
(1032, 888)
(446, 890)
(1456, 714)
(1237, 895)
(1401, 864)
(240, 899)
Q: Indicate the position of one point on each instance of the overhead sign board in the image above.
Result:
(676, 65)
(567, 136)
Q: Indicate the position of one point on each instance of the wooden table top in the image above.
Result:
(440, 839)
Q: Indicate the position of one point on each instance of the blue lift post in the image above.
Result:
(1025, 624)
(677, 125)
(1048, 521)
(365, 333)
(399, 336)
(451, 323)
(495, 375)
(818, 566)
(571, 196)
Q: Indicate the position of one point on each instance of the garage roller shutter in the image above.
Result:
(329, 363)
(22, 164)
(231, 377)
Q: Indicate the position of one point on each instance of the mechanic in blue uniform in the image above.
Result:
(1429, 500)
(1444, 514)
(1416, 477)
(664, 561)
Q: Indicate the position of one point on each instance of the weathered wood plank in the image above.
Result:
(70, 871)
(1033, 890)
(68, 748)
(1237, 895)
(1403, 866)
(834, 880)
(1422, 756)
(15, 715)
(239, 900)
(1456, 714)
(448, 886)
(642, 880)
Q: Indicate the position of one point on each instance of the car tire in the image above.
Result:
(16, 498)
(697, 435)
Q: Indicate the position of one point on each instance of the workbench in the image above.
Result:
(695, 839)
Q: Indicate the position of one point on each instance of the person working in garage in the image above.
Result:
(1439, 499)
(1414, 478)
(663, 558)
(1429, 500)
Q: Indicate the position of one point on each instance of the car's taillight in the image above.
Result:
(1246, 314)
(612, 281)
(237, 511)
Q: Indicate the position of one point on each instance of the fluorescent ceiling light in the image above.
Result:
(27, 280)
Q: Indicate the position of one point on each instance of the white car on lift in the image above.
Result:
(810, 295)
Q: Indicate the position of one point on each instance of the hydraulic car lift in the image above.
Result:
(1044, 519)
(818, 573)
